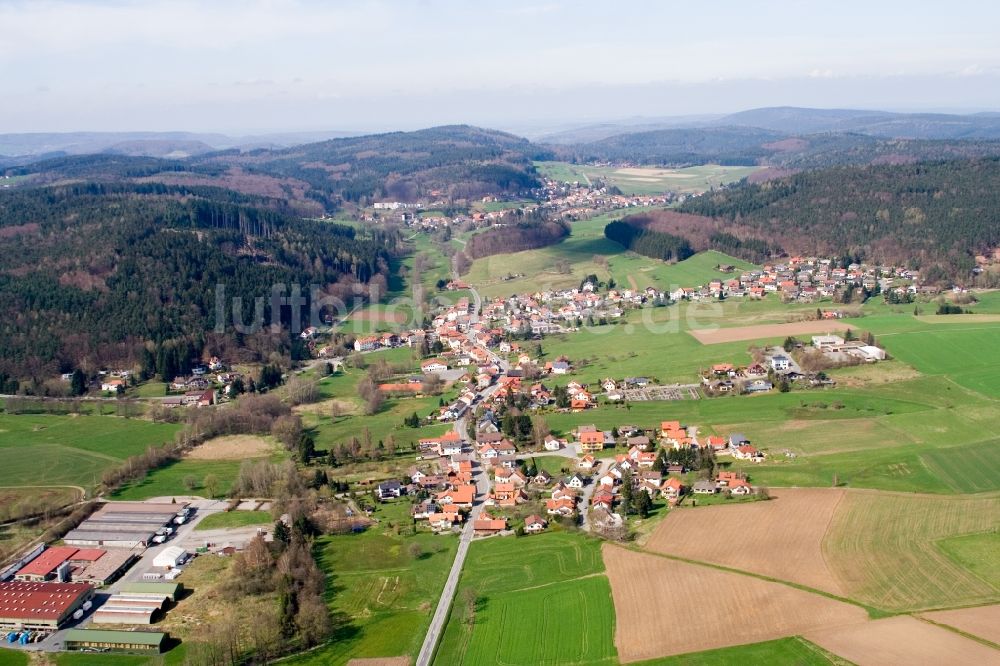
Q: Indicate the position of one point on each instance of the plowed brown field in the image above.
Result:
(982, 621)
(781, 538)
(739, 333)
(666, 607)
(902, 640)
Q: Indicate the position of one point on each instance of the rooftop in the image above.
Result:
(39, 601)
(153, 638)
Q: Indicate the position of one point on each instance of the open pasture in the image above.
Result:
(780, 538)
(901, 640)
(536, 270)
(654, 596)
(382, 594)
(76, 449)
(883, 549)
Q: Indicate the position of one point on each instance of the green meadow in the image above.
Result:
(382, 589)
(550, 585)
(76, 449)
(538, 269)
(648, 180)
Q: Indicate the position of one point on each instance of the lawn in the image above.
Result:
(234, 519)
(648, 180)
(550, 585)
(793, 650)
(13, 658)
(77, 449)
(381, 593)
(884, 546)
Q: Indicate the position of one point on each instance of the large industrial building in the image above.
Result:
(93, 565)
(126, 524)
(45, 606)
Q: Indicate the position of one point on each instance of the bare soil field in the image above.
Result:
(326, 407)
(901, 640)
(781, 538)
(665, 607)
(232, 447)
(982, 621)
(758, 332)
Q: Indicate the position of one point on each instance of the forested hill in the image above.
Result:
(752, 145)
(935, 215)
(90, 273)
(454, 162)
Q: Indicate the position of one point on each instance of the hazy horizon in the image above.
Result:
(299, 66)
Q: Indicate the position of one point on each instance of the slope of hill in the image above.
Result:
(935, 215)
(745, 145)
(450, 162)
(90, 273)
(458, 161)
(800, 121)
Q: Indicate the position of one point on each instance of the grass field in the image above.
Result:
(76, 449)
(234, 519)
(382, 597)
(976, 553)
(13, 658)
(169, 480)
(584, 243)
(648, 180)
(550, 586)
(884, 549)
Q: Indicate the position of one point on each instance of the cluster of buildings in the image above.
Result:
(128, 525)
(802, 279)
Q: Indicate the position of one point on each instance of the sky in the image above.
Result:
(258, 66)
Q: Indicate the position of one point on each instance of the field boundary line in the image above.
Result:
(955, 630)
(873, 612)
(819, 651)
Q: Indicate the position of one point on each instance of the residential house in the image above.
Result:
(534, 524)
(390, 489)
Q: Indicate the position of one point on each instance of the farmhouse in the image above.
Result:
(489, 526)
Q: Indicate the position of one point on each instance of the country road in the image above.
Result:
(482, 480)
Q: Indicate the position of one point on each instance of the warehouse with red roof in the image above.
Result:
(47, 606)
